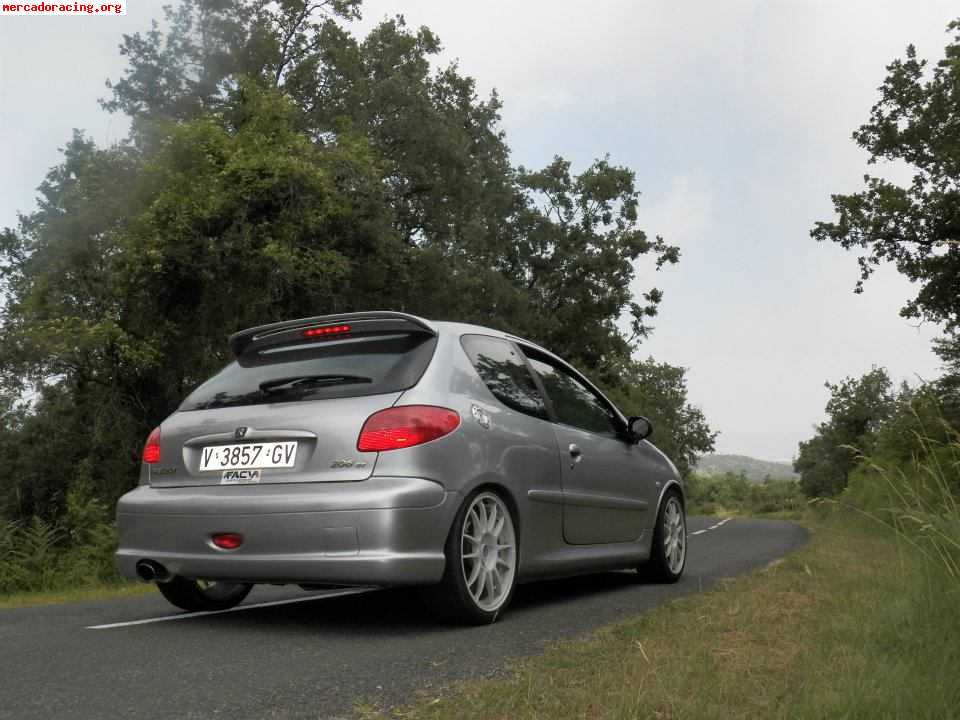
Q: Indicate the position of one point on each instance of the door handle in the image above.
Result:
(575, 454)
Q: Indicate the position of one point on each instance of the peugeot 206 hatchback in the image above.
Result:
(382, 449)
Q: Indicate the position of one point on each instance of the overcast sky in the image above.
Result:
(736, 117)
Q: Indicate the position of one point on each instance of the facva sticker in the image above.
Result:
(238, 477)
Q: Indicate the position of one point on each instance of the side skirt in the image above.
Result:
(570, 560)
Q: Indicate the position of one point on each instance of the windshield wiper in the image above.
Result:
(298, 381)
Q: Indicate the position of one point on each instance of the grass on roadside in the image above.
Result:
(855, 625)
(54, 597)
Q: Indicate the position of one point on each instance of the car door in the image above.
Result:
(606, 497)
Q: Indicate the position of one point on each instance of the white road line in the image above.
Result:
(712, 527)
(185, 616)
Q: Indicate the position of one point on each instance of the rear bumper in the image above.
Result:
(380, 531)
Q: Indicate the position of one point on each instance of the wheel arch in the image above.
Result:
(501, 489)
(672, 483)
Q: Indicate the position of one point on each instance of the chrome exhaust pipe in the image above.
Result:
(151, 571)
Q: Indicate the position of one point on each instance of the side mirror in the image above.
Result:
(640, 428)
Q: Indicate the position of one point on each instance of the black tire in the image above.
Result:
(452, 597)
(659, 567)
(194, 596)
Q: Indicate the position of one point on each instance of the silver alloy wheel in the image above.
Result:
(674, 535)
(488, 549)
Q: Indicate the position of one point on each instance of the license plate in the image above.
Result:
(248, 456)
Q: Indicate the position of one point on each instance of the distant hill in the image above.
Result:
(756, 470)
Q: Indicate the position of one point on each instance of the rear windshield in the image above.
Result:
(332, 369)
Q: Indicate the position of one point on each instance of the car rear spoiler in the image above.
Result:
(291, 332)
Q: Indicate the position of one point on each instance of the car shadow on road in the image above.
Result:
(403, 611)
(537, 595)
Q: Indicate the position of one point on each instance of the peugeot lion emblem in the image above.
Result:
(240, 432)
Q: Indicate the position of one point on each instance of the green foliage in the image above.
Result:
(856, 410)
(658, 391)
(920, 503)
(11, 575)
(74, 552)
(184, 73)
(911, 480)
(575, 253)
(948, 385)
(905, 470)
(34, 558)
(755, 469)
(732, 492)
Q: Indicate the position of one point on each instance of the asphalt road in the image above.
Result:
(319, 657)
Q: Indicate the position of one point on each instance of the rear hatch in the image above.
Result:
(290, 407)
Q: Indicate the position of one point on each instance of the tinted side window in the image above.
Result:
(503, 370)
(574, 403)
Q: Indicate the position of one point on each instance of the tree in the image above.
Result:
(856, 411)
(577, 242)
(917, 226)
(947, 387)
(546, 254)
(209, 45)
(658, 391)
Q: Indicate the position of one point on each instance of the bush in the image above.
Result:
(75, 552)
(710, 495)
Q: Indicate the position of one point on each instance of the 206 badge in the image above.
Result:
(347, 463)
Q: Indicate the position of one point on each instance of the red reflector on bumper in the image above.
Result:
(227, 541)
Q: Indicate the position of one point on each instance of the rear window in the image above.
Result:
(332, 369)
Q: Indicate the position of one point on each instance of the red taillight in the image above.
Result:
(151, 451)
(227, 541)
(328, 330)
(405, 426)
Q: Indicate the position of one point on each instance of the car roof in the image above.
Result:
(468, 328)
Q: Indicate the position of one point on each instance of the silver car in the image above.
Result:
(383, 449)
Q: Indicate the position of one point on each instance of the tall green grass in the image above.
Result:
(74, 552)
(918, 497)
